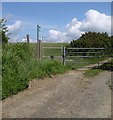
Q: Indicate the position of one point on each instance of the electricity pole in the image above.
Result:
(38, 42)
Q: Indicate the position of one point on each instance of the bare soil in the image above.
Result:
(70, 95)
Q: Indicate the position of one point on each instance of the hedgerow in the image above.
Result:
(19, 67)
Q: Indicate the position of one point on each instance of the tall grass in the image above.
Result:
(19, 67)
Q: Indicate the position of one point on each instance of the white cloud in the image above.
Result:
(72, 29)
(56, 36)
(94, 21)
(71, 32)
(14, 29)
(17, 26)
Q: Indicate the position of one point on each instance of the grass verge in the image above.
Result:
(95, 71)
(19, 67)
(92, 73)
(15, 81)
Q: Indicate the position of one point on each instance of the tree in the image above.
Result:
(92, 40)
(4, 35)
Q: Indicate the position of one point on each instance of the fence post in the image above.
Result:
(63, 57)
(42, 48)
(39, 50)
(98, 61)
(27, 36)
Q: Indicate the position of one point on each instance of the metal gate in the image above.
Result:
(82, 57)
(53, 51)
(74, 57)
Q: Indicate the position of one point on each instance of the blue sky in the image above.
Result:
(50, 16)
(57, 1)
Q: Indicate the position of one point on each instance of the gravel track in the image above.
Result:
(63, 96)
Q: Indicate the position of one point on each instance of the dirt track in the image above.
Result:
(63, 96)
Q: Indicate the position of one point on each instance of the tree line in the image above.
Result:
(93, 40)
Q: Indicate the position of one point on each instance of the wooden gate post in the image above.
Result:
(63, 56)
(39, 50)
(27, 36)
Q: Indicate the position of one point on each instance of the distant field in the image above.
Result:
(51, 44)
(46, 51)
(55, 44)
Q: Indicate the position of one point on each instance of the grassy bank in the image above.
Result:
(95, 71)
(19, 67)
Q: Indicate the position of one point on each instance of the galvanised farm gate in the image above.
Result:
(68, 55)
(82, 55)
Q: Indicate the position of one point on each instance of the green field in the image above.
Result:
(49, 49)
(55, 44)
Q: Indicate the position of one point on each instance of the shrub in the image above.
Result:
(19, 66)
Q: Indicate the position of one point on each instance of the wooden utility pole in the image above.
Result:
(38, 42)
